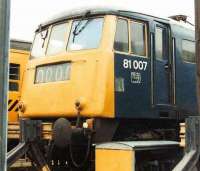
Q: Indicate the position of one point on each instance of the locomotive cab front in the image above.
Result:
(71, 62)
(105, 66)
(106, 75)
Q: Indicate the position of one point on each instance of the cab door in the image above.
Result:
(162, 69)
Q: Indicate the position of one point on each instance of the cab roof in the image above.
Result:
(78, 13)
(93, 12)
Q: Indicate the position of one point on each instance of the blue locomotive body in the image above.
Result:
(160, 82)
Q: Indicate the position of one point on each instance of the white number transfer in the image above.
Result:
(134, 64)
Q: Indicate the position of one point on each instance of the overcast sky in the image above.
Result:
(26, 15)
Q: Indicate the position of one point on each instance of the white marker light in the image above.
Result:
(85, 125)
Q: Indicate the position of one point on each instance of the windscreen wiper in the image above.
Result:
(77, 31)
(42, 34)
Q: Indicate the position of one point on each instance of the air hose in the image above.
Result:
(79, 165)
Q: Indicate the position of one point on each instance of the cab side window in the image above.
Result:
(121, 36)
(138, 38)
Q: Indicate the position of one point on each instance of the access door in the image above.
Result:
(162, 69)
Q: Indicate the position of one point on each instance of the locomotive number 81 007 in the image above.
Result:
(112, 75)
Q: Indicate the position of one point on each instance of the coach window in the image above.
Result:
(159, 43)
(188, 51)
(57, 41)
(121, 36)
(138, 38)
(14, 76)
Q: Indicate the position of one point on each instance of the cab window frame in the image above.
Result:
(165, 42)
(88, 49)
(145, 38)
(48, 29)
(67, 22)
(146, 43)
(70, 22)
(127, 20)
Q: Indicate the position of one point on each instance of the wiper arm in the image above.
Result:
(43, 35)
(76, 31)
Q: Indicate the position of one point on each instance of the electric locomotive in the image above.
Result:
(102, 75)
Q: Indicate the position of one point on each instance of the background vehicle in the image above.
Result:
(19, 54)
(109, 75)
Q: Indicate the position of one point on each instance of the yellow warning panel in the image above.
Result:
(112, 158)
